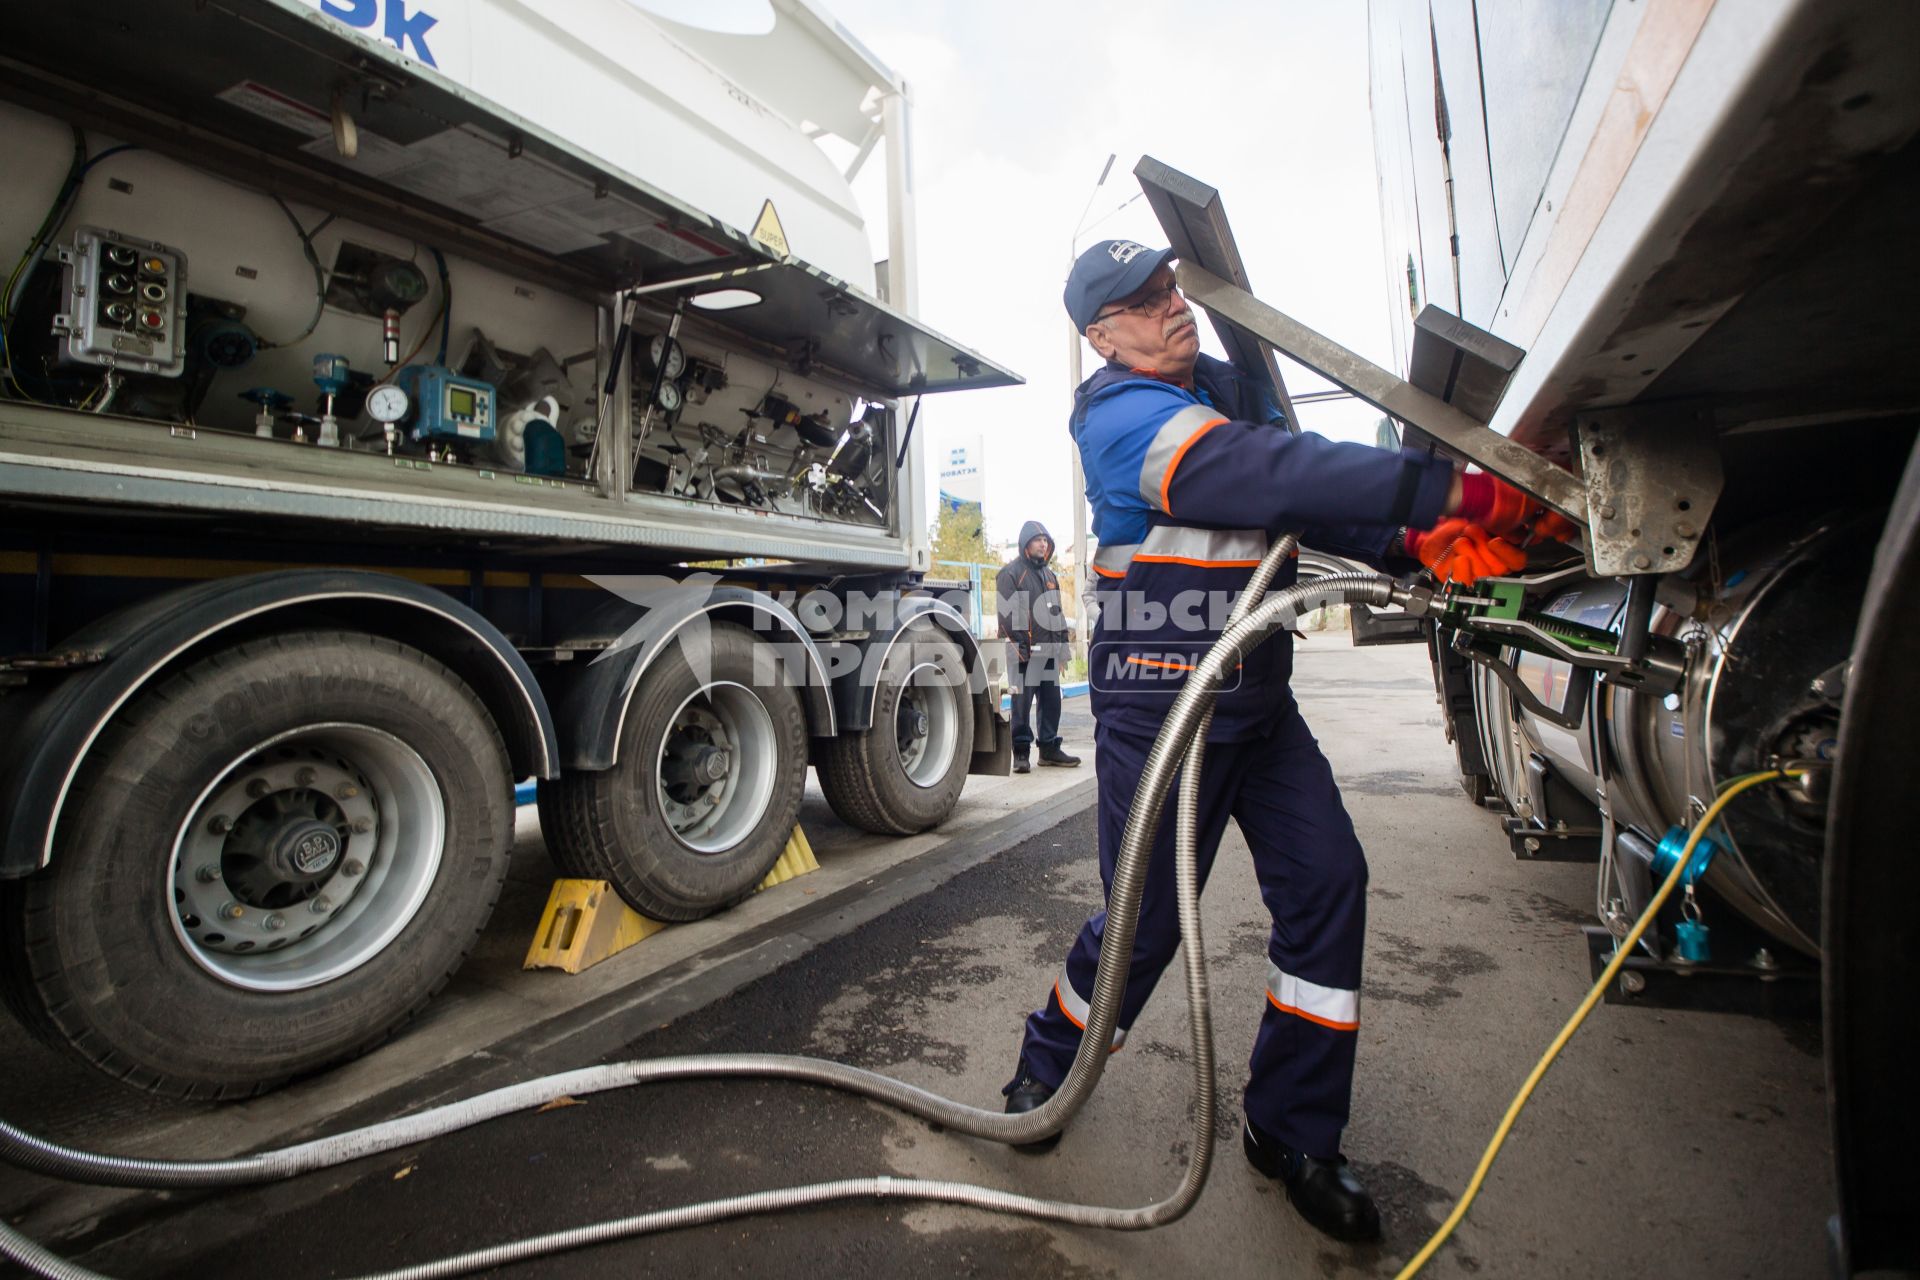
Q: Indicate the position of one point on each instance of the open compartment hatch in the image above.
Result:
(260, 91)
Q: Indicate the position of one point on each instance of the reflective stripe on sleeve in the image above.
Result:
(1328, 1006)
(1112, 561)
(1168, 665)
(1078, 1010)
(1207, 548)
(1176, 435)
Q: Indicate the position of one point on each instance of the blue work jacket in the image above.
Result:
(1188, 484)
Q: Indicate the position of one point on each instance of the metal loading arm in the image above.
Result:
(1457, 430)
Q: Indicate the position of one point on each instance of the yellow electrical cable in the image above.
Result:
(1620, 954)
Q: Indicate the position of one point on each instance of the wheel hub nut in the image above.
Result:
(275, 922)
(346, 791)
(220, 825)
(207, 873)
(362, 825)
(305, 851)
(352, 867)
(320, 905)
(232, 911)
(713, 765)
(258, 787)
(304, 777)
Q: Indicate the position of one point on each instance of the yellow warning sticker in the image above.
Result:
(768, 232)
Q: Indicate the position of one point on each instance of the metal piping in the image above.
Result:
(1182, 737)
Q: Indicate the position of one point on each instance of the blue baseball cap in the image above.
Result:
(1109, 270)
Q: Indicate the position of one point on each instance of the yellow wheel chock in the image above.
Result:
(586, 922)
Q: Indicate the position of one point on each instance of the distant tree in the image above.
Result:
(960, 535)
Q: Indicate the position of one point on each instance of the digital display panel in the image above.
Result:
(460, 402)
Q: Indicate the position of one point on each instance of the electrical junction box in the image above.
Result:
(126, 303)
(446, 406)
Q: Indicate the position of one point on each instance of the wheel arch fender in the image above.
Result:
(591, 703)
(857, 692)
(142, 643)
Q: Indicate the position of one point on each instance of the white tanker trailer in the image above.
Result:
(1652, 262)
(402, 399)
(1683, 236)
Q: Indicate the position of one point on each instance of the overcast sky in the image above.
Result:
(1017, 108)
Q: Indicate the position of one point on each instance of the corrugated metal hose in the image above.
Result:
(1182, 739)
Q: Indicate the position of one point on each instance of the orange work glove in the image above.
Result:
(1551, 524)
(1494, 505)
(1460, 551)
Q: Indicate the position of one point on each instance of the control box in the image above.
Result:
(125, 303)
(446, 406)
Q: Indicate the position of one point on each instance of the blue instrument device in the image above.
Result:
(447, 406)
(330, 373)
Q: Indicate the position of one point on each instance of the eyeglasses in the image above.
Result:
(1151, 306)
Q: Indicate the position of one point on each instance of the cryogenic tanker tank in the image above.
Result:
(1766, 626)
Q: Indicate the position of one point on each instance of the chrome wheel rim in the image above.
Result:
(715, 768)
(306, 857)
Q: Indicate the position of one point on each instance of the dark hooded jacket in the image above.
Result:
(1031, 615)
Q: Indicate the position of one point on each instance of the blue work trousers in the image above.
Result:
(1035, 680)
(1313, 879)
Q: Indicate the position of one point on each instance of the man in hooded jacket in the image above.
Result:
(1035, 628)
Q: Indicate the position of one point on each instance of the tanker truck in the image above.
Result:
(1653, 262)
(404, 399)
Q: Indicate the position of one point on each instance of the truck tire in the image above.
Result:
(550, 803)
(905, 773)
(272, 860)
(706, 792)
(1869, 939)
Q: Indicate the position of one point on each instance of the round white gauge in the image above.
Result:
(665, 349)
(387, 403)
(669, 398)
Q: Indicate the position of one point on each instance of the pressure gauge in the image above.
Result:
(387, 403)
(669, 398)
(665, 352)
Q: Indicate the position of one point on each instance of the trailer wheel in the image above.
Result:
(1869, 939)
(904, 774)
(707, 789)
(273, 860)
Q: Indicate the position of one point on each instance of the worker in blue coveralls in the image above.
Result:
(1190, 471)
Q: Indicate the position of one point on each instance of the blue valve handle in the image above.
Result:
(267, 398)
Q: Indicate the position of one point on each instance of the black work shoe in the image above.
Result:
(1326, 1192)
(1027, 1096)
(1054, 755)
(1020, 765)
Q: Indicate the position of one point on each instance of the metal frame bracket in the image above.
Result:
(1650, 487)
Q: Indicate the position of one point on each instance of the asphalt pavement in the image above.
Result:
(1662, 1142)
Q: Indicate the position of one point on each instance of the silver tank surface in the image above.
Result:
(1767, 647)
